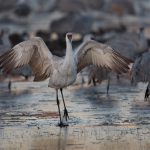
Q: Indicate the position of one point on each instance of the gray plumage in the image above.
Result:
(141, 71)
(141, 68)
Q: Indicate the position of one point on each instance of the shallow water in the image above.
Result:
(118, 121)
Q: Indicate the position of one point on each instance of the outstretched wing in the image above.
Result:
(33, 52)
(95, 53)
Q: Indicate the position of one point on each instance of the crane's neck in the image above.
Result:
(69, 53)
(141, 34)
(143, 41)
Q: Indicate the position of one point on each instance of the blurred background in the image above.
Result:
(51, 19)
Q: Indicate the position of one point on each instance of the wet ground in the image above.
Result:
(118, 121)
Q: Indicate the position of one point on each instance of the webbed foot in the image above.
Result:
(61, 124)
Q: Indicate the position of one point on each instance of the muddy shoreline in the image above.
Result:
(118, 121)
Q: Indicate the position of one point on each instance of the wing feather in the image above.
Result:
(33, 52)
(102, 55)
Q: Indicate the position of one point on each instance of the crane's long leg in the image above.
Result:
(9, 85)
(94, 82)
(147, 92)
(108, 84)
(65, 109)
(57, 100)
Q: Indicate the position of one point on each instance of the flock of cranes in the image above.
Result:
(101, 60)
(133, 46)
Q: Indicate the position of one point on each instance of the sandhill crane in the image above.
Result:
(141, 71)
(61, 72)
(130, 45)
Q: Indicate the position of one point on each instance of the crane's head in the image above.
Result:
(69, 36)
